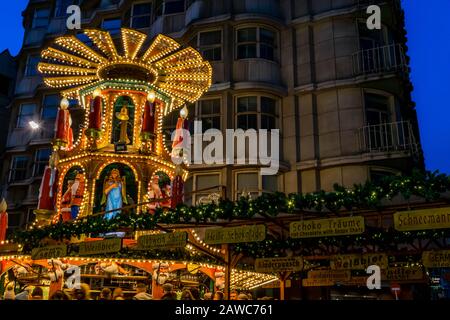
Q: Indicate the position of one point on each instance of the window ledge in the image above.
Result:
(258, 59)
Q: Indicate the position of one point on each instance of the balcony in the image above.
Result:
(384, 59)
(388, 137)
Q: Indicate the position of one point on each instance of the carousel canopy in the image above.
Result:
(180, 73)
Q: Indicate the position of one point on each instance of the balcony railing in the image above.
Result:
(394, 136)
(389, 58)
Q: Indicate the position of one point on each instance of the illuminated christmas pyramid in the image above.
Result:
(118, 158)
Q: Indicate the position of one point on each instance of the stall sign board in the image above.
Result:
(49, 252)
(317, 282)
(270, 265)
(353, 281)
(277, 284)
(358, 261)
(235, 234)
(101, 246)
(438, 218)
(162, 241)
(327, 227)
(9, 247)
(334, 275)
(402, 274)
(436, 259)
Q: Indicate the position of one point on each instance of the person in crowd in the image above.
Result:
(242, 296)
(105, 294)
(9, 292)
(169, 294)
(195, 293)
(218, 295)
(141, 292)
(187, 295)
(82, 293)
(118, 294)
(207, 296)
(37, 294)
(59, 295)
(25, 294)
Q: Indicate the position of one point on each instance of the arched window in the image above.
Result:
(256, 42)
(256, 112)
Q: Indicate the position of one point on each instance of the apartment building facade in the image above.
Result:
(338, 92)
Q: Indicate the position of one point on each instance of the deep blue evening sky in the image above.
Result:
(429, 48)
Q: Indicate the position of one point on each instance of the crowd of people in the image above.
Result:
(83, 292)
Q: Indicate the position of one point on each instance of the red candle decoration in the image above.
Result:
(180, 134)
(3, 220)
(148, 119)
(177, 190)
(62, 126)
(95, 114)
(47, 191)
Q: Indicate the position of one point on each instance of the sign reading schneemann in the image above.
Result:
(327, 227)
(279, 264)
(235, 234)
(422, 219)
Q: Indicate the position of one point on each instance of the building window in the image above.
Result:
(256, 43)
(41, 161)
(253, 184)
(369, 39)
(50, 107)
(205, 185)
(19, 168)
(112, 26)
(173, 6)
(31, 67)
(141, 15)
(377, 109)
(62, 5)
(210, 45)
(26, 114)
(256, 113)
(40, 18)
(208, 113)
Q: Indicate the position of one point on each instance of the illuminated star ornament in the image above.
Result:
(175, 72)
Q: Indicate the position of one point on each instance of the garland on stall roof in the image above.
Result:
(369, 195)
(384, 240)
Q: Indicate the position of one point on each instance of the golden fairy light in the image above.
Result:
(181, 74)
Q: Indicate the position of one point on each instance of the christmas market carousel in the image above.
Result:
(108, 184)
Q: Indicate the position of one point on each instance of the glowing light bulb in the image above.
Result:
(184, 113)
(64, 104)
(97, 93)
(151, 96)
